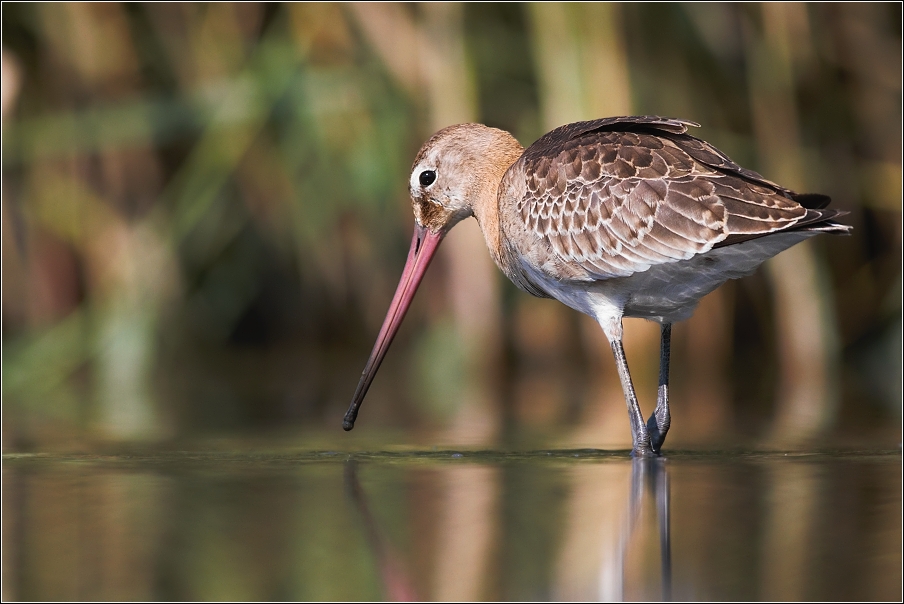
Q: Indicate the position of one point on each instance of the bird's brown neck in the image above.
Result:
(485, 198)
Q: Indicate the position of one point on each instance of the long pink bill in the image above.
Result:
(423, 246)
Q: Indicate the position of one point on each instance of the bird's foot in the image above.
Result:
(642, 446)
(658, 425)
(644, 452)
(657, 431)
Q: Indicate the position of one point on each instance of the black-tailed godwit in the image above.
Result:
(617, 217)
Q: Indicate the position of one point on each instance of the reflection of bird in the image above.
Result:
(396, 580)
(618, 217)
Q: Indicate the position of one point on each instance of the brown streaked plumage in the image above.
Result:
(617, 217)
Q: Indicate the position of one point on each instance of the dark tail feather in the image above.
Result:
(811, 201)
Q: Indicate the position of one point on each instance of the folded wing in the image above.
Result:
(620, 195)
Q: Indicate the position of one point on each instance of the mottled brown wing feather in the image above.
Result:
(617, 196)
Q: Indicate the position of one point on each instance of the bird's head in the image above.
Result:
(459, 166)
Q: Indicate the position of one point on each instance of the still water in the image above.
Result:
(453, 525)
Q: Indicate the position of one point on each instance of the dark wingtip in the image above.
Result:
(348, 424)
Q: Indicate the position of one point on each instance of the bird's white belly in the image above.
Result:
(667, 292)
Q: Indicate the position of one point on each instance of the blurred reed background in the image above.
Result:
(205, 215)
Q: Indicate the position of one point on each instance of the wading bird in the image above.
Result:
(617, 217)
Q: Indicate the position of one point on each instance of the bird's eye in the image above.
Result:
(427, 177)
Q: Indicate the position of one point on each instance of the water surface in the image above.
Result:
(452, 525)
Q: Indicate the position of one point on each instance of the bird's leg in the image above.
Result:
(638, 430)
(658, 424)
